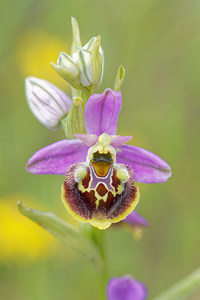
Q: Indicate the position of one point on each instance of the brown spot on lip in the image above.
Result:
(101, 189)
(86, 180)
(115, 180)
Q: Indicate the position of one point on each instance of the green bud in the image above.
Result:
(74, 122)
(119, 79)
(84, 68)
(97, 62)
(90, 61)
(67, 69)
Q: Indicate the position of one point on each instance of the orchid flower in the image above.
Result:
(100, 169)
(126, 288)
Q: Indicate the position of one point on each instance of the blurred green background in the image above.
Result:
(158, 42)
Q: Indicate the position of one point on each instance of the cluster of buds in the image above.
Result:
(83, 70)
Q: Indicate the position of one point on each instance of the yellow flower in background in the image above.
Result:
(35, 51)
(21, 240)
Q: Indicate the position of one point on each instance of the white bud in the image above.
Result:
(83, 60)
(90, 61)
(47, 102)
(66, 62)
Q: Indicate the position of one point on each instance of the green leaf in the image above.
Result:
(182, 289)
(64, 232)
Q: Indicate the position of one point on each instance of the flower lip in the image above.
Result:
(97, 200)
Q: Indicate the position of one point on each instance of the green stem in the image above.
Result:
(98, 239)
(183, 288)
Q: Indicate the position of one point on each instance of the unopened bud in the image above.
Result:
(119, 79)
(67, 69)
(74, 122)
(84, 68)
(90, 61)
(47, 102)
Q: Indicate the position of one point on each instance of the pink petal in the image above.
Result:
(57, 158)
(102, 111)
(147, 167)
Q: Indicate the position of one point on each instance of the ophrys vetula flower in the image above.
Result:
(100, 170)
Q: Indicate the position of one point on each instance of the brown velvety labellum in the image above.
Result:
(96, 198)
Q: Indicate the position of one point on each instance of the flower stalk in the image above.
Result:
(98, 237)
(100, 170)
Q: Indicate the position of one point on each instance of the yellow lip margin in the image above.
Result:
(100, 223)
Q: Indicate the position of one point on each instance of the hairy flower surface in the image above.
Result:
(126, 288)
(100, 170)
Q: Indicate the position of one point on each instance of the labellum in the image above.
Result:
(100, 191)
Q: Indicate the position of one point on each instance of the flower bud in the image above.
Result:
(119, 79)
(84, 68)
(47, 102)
(74, 122)
(67, 69)
(90, 61)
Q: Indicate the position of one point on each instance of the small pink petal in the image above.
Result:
(88, 139)
(118, 140)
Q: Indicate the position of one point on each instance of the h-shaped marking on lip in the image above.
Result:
(96, 180)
